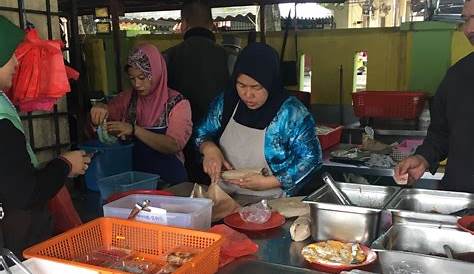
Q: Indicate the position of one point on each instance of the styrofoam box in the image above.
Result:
(180, 211)
(40, 266)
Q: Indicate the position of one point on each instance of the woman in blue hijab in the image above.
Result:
(255, 124)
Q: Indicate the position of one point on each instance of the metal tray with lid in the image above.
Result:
(359, 223)
(412, 205)
(425, 239)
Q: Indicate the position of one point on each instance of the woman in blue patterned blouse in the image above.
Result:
(255, 125)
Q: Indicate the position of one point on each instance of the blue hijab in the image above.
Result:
(260, 62)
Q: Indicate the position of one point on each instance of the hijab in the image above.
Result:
(144, 110)
(260, 62)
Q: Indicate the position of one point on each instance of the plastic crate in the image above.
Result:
(149, 240)
(108, 160)
(122, 182)
(330, 139)
(180, 211)
(388, 104)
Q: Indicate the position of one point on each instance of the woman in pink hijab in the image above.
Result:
(157, 118)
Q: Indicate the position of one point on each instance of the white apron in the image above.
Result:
(243, 147)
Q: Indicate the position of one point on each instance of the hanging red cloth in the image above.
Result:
(42, 77)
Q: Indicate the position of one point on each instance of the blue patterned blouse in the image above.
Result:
(292, 147)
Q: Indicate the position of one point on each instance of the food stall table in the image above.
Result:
(364, 170)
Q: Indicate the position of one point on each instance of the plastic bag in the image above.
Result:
(63, 212)
(223, 204)
(42, 77)
(106, 257)
(235, 244)
(178, 257)
(258, 213)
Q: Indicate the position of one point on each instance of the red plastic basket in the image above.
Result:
(388, 104)
(330, 139)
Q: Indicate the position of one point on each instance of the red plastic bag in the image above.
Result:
(42, 77)
(63, 212)
(235, 244)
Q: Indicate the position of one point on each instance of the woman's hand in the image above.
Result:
(257, 182)
(213, 161)
(120, 129)
(78, 160)
(99, 113)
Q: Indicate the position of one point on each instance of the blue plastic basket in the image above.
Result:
(108, 160)
(132, 180)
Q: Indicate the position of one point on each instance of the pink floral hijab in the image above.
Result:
(145, 111)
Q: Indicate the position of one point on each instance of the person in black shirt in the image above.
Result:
(24, 188)
(450, 134)
(197, 67)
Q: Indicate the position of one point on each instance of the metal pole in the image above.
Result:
(76, 62)
(262, 23)
(341, 95)
(114, 10)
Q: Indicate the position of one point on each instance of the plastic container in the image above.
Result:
(119, 195)
(132, 180)
(388, 104)
(150, 240)
(180, 211)
(330, 139)
(108, 160)
(40, 266)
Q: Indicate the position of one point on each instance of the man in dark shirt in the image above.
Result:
(450, 134)
(197, 67)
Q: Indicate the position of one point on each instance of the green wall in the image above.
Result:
(430, 54)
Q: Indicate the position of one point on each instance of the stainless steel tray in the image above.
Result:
(424, 239)
(393, 262)
(428, 206)
(359, 223)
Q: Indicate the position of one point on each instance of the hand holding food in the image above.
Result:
(99, 113)
(410, 170)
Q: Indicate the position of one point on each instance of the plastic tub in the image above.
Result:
(331, 138)
(108, 160)
(132, 180)
(180, 211)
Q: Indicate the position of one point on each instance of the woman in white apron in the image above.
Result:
(255, 124)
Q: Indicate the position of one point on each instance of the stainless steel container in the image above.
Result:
(428, 206)
(393, 262)
(359, 223)
(424, 239)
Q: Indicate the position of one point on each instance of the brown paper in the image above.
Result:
(223, 204)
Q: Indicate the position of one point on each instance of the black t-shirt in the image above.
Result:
(451, 132)
(25, 190)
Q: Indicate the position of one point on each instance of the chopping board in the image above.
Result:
(290, 207)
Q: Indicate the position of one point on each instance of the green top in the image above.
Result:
(8, 111)
(8, 45)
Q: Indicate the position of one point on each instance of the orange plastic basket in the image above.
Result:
(151, 241)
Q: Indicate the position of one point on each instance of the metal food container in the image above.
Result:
(394, 262)
(359, 223)
(428, 206)
(425, 239)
